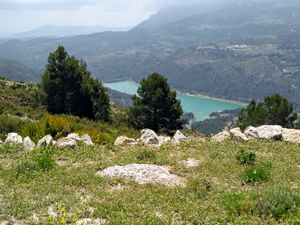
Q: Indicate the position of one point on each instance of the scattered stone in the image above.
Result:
(89, 221)
(44, 141)
(87, 139)
(149, 137)
(66, 143)
(190, 162)
(123, 140)
(143, 173)
(13, 138)
(28, 144)
(238, 135)
(251, 132)
(74, 137)
(163, 139)
(291, 135)
(270, 132)
(179, 137)
(222, 136)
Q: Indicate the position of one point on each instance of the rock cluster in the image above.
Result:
(274, 132)
(69, 142)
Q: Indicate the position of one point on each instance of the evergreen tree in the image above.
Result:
(68, 87)
(274, 110)
(156, 107)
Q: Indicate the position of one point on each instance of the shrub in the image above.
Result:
(257, 173)
(278, 202)
(144, 155)
(246, 157)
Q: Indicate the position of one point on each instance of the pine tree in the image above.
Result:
(156, 107)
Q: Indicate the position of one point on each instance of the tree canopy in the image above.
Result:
(274, 110)
(156, 107)
(69, 88)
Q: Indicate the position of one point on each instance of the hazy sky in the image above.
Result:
(23, 15)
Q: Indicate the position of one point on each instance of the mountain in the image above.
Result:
(18, 72)
(244, 50)
(61, 31)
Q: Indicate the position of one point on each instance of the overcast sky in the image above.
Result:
(23, 15)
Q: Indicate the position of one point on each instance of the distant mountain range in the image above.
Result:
(245, 49)
(65, 31)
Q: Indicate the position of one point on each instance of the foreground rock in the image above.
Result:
(87, 139)
(74, 137)
(28, 144)
(222, 136)
(265, 132)
(149, 137)
(238, 135)
(66, 143)
(179, 137)
(291, 135)
(45, 141)
(13, 138)
(143, 174)
(123, 140)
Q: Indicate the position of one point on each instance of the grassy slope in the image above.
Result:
(215, 193)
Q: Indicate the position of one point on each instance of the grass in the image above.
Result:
(61, 185)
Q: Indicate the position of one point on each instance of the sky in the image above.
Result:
(24, 15)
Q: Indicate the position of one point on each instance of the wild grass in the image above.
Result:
(51, 186)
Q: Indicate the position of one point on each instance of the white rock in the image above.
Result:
(87, 139)
(238, 135)
(251, 132)
(190, 162)
(44, 141)
(163, 139)
(179, 137)
(13, 138)
(222, 136)
(66, 143)
(143, 173)
(28, 144)
(75, 137)
(149, 137)
(269, 132)
(123, 140)
(291, 135)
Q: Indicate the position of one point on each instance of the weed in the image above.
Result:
(145, 155)
(246, 157)
(257, 173)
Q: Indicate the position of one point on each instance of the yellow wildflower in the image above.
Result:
(63, 221)
(75, 220)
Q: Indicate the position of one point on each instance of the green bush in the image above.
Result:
(10, 124)
(278, 202)
(246, 157)
(257, 173)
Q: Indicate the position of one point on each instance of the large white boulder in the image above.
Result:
(13, 138)
(143, 173)
(238, 135)
(178, 137)
(28, 144)
(269, 132)
(251, 132)
(74, 137)
(44, 141)
(291, 135)
(222, 136)
(66, 143)
(149, 137)
(87, 139)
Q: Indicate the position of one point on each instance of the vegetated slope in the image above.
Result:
(18, 72)
(255, 47)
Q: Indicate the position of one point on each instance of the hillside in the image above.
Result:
(228, 53)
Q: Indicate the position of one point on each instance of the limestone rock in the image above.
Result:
(75, 137)
(123, 140)
(87, 139)
(44, 141)
(66, 143)
(291, 135)
(149, 137)
(251, 132)
(222, 136)
(163, 139)
(13, 138)
(143, 173)
(269, 132)
(179, 137)
(190, 162)
(238, 135)
(28, 144)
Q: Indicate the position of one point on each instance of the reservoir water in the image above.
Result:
(201, 107)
